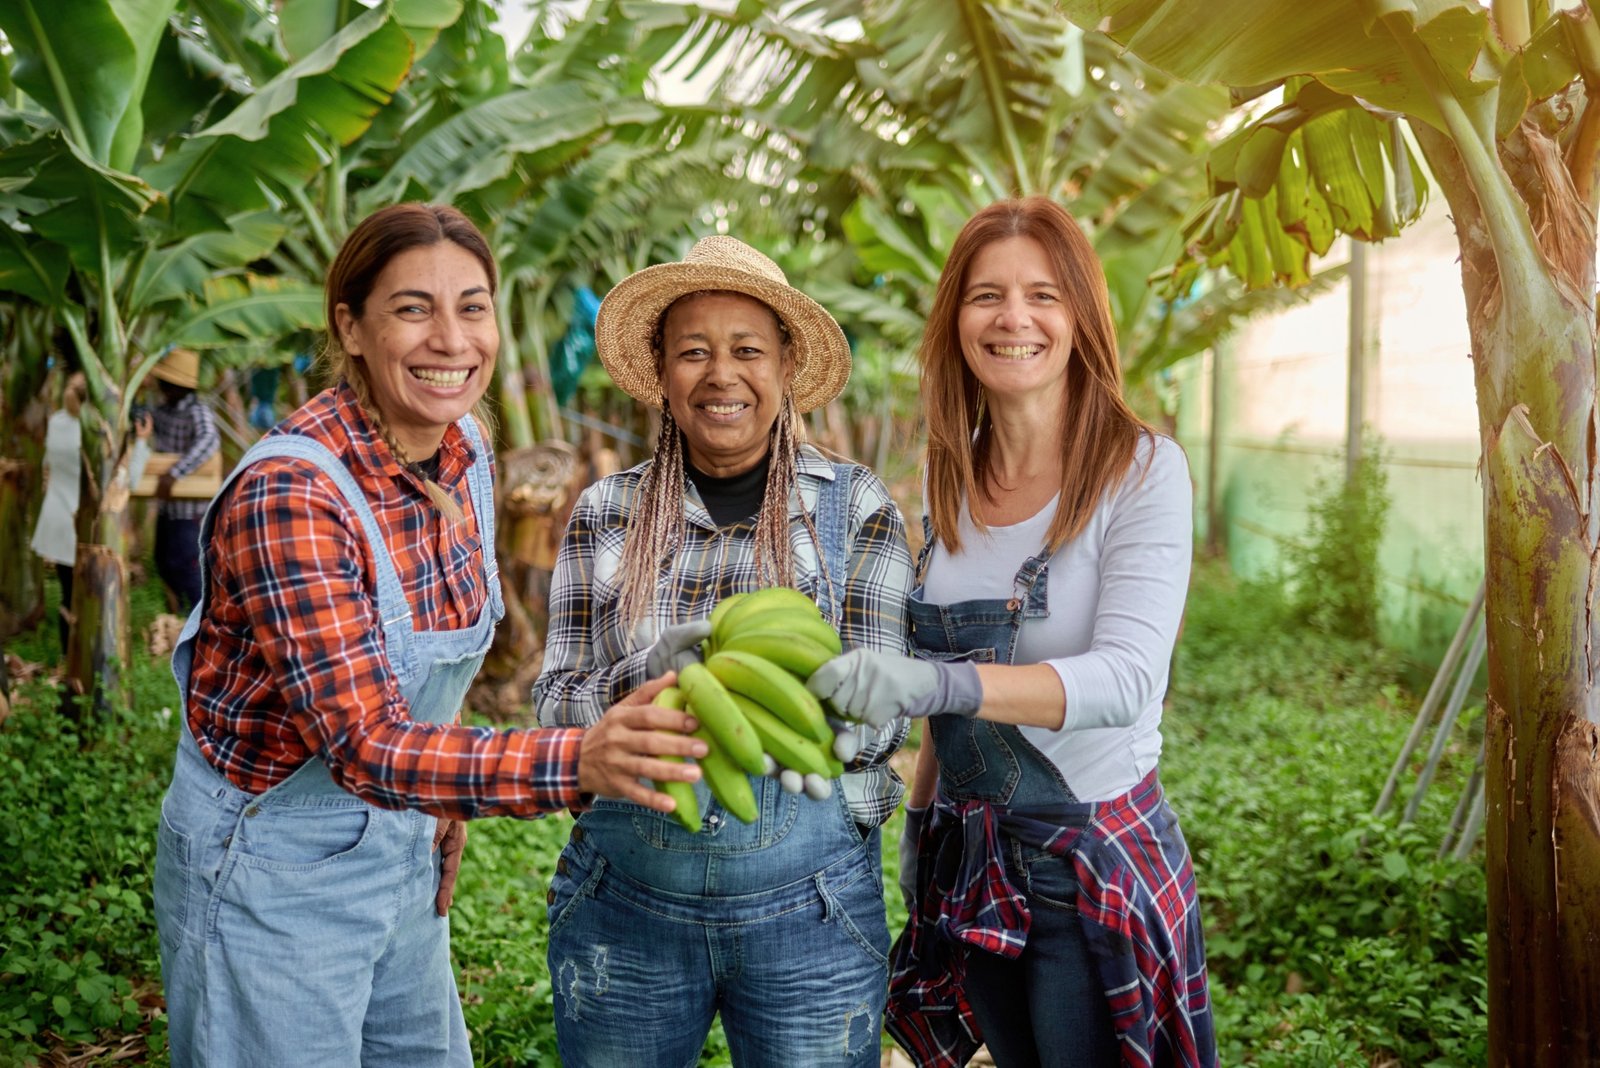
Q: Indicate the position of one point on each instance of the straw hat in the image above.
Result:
(181, 367)
(628, 317)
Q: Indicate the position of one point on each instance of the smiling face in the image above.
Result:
(427, 340)
(724, 371)
(1016, 332)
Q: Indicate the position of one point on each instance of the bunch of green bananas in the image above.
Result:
(756, 716)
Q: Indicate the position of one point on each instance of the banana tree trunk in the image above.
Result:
(21, 585)
(1532, 325)
(543, 412)
(22, 430)
(516, 428)
(98, 648)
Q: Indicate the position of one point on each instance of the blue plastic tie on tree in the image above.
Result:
(570, 355)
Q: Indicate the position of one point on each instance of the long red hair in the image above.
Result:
(1100, 432)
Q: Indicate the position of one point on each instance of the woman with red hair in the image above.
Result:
(1052, 899)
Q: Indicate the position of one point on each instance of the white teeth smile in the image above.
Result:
(1015, 352)
(724, 409)
(441, 378)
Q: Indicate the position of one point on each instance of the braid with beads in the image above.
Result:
(436, 493)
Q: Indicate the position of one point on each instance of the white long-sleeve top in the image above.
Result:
(55, 536)
(1116, 596)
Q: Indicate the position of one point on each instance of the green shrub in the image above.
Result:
(1334, 567)
(1322, 949)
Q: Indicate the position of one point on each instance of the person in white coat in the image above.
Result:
(55, 537)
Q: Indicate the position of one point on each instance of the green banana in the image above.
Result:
(710, 704)
(724, 606)
(759, 601)
(797, 653)
(729, 785)
(788, 620)
(774, 689)
(789, 749)
(688, 810)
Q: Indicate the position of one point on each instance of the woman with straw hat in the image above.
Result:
(777, 924)
(310, 838)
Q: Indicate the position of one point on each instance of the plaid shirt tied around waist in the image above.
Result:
(1136, 897)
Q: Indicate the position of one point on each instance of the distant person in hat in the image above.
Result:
(310, 838)
(185, 426)
(778, 924)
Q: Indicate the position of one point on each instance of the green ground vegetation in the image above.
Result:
(1323, 950)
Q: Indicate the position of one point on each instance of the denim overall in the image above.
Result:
(778, 923)
(1061, 1008)
(298, 925)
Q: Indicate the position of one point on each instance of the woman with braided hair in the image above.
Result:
(777, 924)
(310, 838)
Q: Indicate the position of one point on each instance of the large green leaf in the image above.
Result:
(146, 24)
(252, 308)
(1349, 45)
(32, 268)
(80, 64)
(888, 243)
(184, 268)
(281, 135)
(79, 204)
(482, 144)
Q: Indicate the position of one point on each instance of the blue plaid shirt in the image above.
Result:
(187, 428)
(593, 659)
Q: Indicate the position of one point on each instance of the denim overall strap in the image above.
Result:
(832, 520)
(980, 760)
(391, 597)
(480, 485)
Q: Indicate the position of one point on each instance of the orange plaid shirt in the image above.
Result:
(289, 662)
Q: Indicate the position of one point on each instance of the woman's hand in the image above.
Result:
(450, 838)
(628, 743)
(874, 688)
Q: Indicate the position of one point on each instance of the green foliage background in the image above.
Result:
(1322, 951)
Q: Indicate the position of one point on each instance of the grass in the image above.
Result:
(1323, 950)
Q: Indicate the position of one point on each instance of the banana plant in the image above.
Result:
(933, 111)
(148, 155)
(1501, 100)
(25, 341)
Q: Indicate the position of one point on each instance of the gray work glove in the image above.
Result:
(873, 688)
(909, 836)
(676, 647)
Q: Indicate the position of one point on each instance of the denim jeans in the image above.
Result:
(653, 931)
(178, 558)
(1047, 1008)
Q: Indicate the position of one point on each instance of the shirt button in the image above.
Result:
(561, 866)
(577, 834)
